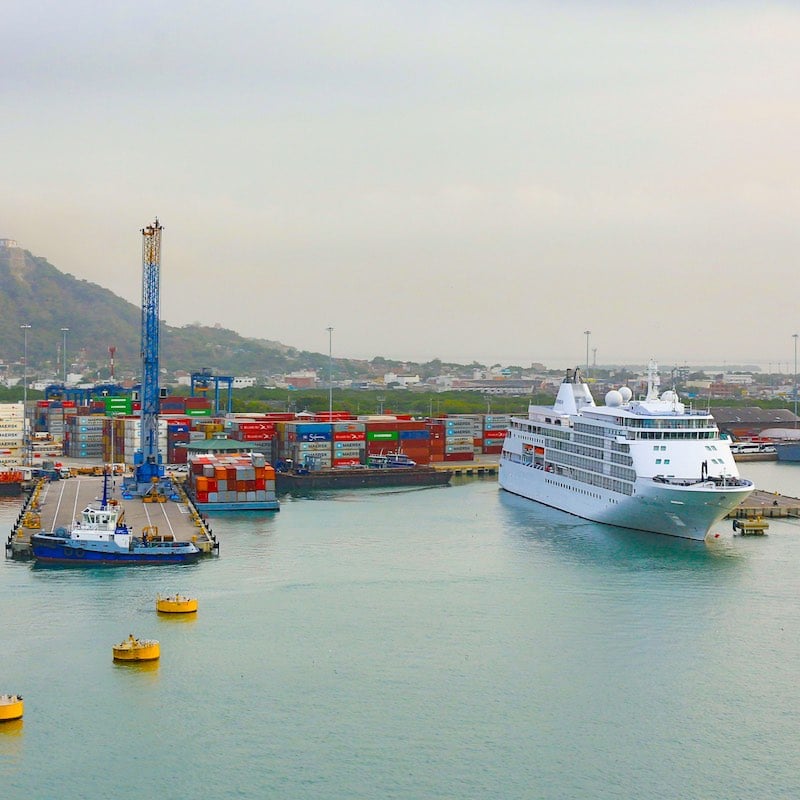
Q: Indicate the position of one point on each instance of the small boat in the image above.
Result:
(101, 536)
(756, 526)
(176, 604)
(133, 649)
(392, 460)
(11, 707)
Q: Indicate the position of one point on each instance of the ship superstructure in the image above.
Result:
(652, 464)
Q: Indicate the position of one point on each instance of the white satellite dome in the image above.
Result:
(613, 398)
(626, 394)
(669, 396)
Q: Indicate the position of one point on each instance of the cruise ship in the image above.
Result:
(650, 464)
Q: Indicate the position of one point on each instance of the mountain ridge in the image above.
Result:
(36, 293)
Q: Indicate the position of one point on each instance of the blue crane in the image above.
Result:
(149, 468)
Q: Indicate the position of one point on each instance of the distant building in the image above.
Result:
(301, 379)
(244, 383)
(403, 380)
(8, 243)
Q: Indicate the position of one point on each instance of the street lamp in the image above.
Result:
(25, 329)
(330, 373)
(794, 336)
(586, 334)
(64, 331)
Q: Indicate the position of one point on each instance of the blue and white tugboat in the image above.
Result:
(101, 536)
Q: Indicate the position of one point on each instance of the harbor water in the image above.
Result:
(450, 642)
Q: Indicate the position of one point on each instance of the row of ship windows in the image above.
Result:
(673, 434)
(592, 478)
(593, 466)
(591, 452)
(538, 429)
(602, 481)
(623, 422)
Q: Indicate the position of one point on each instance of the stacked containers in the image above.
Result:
(12, 434)
(83, 436)
(494, 431)
(436, 431)
(257, 434)
(118, 405)
(245, 478)
(414, 440)
(310, 443)
(458, 438)
(55, 424)
(132, 438)
(197, 407)
(383, 436)
(177, 439)
(174, 404)
(476, 430)
(349, 444)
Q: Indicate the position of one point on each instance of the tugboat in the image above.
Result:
(102, 537)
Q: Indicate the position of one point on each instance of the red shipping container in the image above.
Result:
(382, 426)
(494, 434)
(349, 436)
(254, 426)
(346, 462)
(459, 457)
(68, 404)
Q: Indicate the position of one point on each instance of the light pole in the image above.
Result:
(330, 373)
(64, 331)
(586, 334)
(25, 329)
(794, 336)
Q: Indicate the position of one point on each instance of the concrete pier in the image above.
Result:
(58, 504)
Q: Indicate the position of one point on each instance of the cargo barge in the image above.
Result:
(240, 482)
(360, 477)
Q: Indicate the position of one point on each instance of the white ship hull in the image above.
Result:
(684, 511)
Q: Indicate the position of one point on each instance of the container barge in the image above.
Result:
(360, 477)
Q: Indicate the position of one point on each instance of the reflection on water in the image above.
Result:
(583, 541)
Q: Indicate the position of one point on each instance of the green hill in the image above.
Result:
(34, 292)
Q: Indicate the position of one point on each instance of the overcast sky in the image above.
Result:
(459, 180)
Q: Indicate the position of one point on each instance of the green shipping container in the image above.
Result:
(382, 436)
(118, 405)
(198, 412)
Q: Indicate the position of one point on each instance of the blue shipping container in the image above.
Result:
(315, 436)
(415, 434)
(312, 427)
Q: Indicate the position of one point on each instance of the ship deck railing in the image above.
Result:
(717, 483)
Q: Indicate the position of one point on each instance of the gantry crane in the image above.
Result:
(201, 383)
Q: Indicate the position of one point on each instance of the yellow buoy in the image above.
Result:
(11, 707)
(133, 649)
(176, 604)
